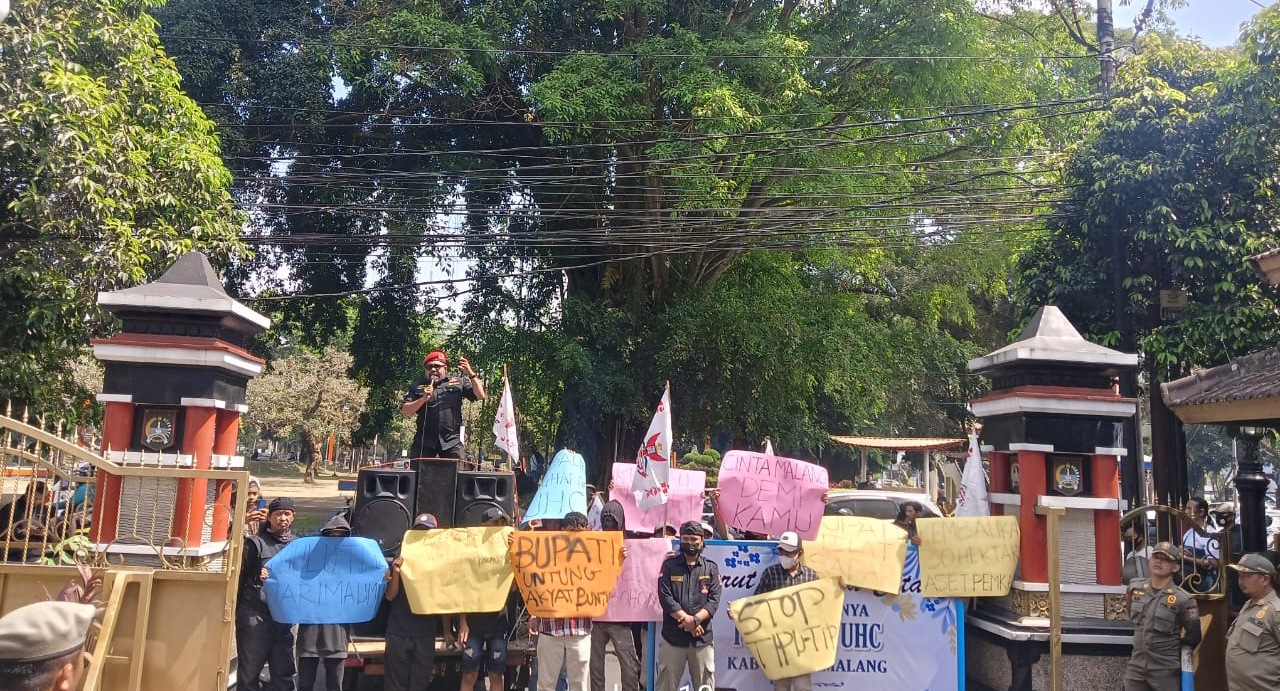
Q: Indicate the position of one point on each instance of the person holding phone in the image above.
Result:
(436, 400)
(255, 511)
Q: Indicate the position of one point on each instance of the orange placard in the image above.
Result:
(566, 573)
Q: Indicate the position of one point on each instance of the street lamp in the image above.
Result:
(1251, 490)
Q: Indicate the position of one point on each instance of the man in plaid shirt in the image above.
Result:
(787, 572)
(564, 642)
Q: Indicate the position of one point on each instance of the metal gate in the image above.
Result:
(168, 617)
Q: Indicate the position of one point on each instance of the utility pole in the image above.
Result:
(1106, 46)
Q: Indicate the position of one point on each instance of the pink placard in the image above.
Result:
(635, 596)
(771, 494)
(686, 487)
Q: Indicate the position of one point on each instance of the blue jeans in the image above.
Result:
(474, 658)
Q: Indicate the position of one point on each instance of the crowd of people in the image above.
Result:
(570, 652)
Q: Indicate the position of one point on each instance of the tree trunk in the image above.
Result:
(310, 456)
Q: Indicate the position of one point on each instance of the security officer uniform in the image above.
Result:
(1164, 620)
(1253, 641)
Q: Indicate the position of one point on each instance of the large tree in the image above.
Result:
(800, 213)
(108, 172)
(307, 393)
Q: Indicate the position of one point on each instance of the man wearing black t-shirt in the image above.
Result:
(484, 637)
(436, 399)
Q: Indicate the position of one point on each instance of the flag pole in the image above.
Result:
(666, 505)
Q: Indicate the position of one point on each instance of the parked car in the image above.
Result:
(877, 503)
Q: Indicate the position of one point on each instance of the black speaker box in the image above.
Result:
(384, 506)
(436, 482)
(480, 490)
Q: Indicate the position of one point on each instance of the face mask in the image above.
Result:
(690, 548)
(787, 562)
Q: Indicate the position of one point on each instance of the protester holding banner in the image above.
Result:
(1164, 619)
(620, 633)
(787, 572)
(484, 637)
(436, 400)
(411, 638)
(564, 642)
(324, 645)
(260, 640)
(689, 589)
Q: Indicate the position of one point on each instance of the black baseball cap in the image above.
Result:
(692, 528)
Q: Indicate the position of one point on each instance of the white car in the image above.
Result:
(877, 503)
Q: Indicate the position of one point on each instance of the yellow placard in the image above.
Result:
(967, 557)
(566, 573)
(866, 552)
(792, 631)
(456, 570)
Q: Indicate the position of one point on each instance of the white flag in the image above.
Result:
(768, 446)
(973, 484)
(504, 424)
(653, 460)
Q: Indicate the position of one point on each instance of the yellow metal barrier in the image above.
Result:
(168, 607)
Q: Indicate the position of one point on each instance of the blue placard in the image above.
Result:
(326, 580)
(563, 488)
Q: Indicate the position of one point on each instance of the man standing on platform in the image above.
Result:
(260, 640)
(784, 574)
(689, 591)
(436, 399)
(1253, 641)
(1165, 618)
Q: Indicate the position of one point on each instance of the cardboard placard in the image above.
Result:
(563, 573)
(459, 570)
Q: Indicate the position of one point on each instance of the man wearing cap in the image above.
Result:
(1253, 641)
(42, 646)
(689, 591)
(788, 571)
(436, 399)
(484, 636)
(411, 638)
(260, 640)
(1165, 618)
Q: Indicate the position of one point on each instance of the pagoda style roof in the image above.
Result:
(189, 286)
(900, 443)
(1246, 389)
(1050, 338)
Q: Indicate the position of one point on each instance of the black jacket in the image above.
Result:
(688, 588)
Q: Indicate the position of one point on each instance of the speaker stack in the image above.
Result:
(478, 491)
(388, 499)
(384, 505)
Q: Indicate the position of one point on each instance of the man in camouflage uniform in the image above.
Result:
(1165, 618)
(1253, 641)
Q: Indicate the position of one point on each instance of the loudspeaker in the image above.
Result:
(480, 490)
(436, 482)
(384, 506)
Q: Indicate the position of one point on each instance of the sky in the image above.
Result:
(1216, 22)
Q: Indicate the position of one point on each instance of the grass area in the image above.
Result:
(265, 469)
(289, 469)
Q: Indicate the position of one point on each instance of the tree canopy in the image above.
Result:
(108, 172)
